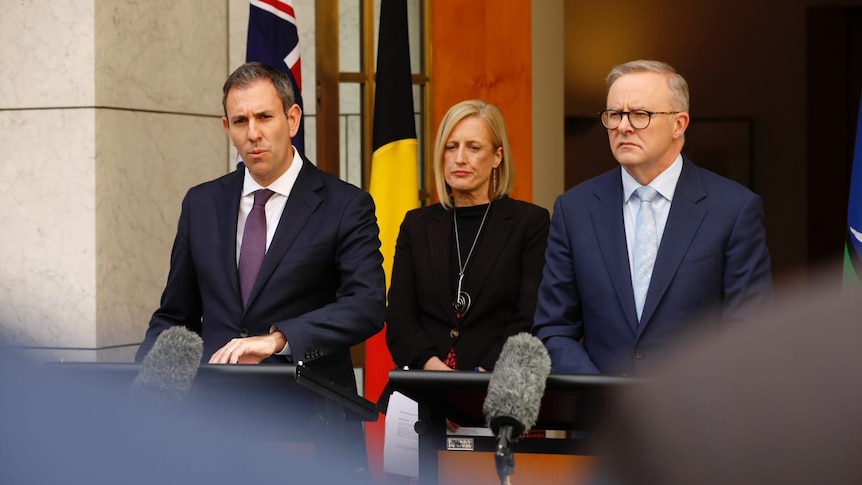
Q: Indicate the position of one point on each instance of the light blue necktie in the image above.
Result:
(646, 245)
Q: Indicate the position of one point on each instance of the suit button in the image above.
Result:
(639, 354)
(243, 333)
(453, 333)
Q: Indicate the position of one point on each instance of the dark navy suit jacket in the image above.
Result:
(321, 283)
(712, 267)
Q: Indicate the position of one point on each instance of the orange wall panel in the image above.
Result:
(480, 50)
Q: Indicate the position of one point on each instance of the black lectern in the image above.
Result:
(271, 403)
(81, 423)
(575, 403)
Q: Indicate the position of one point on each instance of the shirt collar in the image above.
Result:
(664, 184)
(281, 185)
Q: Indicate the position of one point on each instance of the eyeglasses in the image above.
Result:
(639, 118)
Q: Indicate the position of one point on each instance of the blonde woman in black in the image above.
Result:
(467, 269)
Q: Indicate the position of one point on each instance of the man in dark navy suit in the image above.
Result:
(320, 288)
(627, 274)
(277, 262)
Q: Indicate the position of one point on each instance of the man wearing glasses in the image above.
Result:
(647, 252)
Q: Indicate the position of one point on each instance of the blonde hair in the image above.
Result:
(499, 139)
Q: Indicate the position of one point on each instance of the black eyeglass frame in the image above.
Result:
(606, 114)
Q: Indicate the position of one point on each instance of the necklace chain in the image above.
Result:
(462, 302)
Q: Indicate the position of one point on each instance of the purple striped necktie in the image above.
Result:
(253, 244)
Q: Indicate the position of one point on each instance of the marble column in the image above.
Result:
(109, 111)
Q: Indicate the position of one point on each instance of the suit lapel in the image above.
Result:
(683, 222)
(609, 227)
(227, 212)
(439, 229)
(304, 199)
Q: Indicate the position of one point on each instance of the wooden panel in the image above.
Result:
(480, 50)
(477, 468)
(327, 93)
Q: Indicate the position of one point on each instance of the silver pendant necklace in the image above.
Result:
(462, 298)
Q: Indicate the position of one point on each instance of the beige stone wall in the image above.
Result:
(109, 111)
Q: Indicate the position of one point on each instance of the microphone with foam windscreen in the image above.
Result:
(514, 396)
(169, 368)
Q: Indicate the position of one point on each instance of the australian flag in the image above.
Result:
(274, 39)
(853, 247)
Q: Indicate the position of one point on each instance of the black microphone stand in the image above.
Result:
(507, 429)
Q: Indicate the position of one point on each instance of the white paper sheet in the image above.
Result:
(401, 442)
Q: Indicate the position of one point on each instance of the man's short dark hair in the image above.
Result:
(252, 72)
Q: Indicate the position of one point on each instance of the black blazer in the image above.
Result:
(321, 283)
(505, 274)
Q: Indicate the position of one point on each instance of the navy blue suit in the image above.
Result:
(712, 267)
(321, 283)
